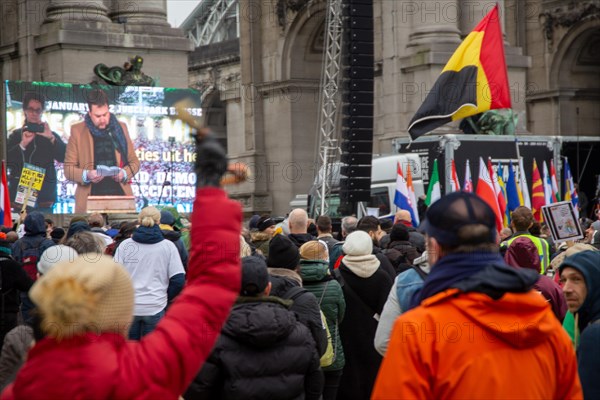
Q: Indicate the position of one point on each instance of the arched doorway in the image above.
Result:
(575, 76)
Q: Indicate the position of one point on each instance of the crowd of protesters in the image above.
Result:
(289, 309)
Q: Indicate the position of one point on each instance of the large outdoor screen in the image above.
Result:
(39, 156)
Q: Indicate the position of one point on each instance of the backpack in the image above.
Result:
(30, 255)
(329, 356)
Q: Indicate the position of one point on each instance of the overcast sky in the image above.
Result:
(178, 10)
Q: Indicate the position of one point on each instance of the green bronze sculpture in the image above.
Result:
(130, 75)
(493, 122)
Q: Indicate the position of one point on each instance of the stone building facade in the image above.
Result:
(261, 85)
(268, 91)
(62, 40)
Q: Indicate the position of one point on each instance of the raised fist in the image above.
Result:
(211, 159)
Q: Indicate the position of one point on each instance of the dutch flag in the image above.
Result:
(402, 199)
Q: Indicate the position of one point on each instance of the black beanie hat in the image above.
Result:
(283, 253)
(399, 232)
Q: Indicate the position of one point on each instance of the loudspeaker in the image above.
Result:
(357, 102)
(356, 170)
(357, 146)
(358, 134)
(356, 159)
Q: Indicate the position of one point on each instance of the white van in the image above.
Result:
(383, 186)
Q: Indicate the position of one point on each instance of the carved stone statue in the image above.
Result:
(130, 75)
(493, 122)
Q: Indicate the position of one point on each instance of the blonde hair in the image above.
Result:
(149, 217)
(245, 249)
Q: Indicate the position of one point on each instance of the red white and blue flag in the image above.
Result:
(468, 184)
(5, 216)
(402, 199)
(412, 199)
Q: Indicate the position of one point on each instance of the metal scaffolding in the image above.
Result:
(328, 151)
(215, 16)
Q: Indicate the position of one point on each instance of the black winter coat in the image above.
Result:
(401, 254)
(300, 238)
(263, 352)
(14, 280)
(386, 264)
(40, 152)
(306, 306)
(357, 330)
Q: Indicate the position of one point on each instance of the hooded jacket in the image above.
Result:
(522, 253)
(588, 316)
(35, 236)
(401, 254)
(318, 281)
(261, 240)
(162, 365)
(305, 305)
(175, 236)
(263, 352)
(365, 289)
(486, 336)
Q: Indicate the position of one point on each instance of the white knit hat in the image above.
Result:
(358, 243)
(53, 255)
(90, 294)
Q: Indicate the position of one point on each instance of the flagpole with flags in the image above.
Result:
(485, 190)
(548, 194)
(433, 190)
(523, 186)
(570, 192)
(538, 198)
(512, 191)
(5, 214)
(474, 80)
(412, 198)
(454, 184)
(402, 197)
(468, 183)
(555, 190)
(497, 190)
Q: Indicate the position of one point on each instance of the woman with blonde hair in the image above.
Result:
(155, 269)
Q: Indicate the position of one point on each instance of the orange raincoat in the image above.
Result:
(469, 346)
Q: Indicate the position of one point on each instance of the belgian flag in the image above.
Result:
(474, 80)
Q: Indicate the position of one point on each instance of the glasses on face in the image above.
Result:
(34, 110)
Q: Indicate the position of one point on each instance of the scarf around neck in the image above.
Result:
(452, 269)
(117, 137)
(148, 234)
(363, 266)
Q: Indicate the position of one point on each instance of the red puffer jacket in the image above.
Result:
(163, 363)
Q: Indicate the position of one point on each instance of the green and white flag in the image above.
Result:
(433, 191)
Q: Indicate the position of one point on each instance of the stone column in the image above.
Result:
(432, 21)
(146, 12)
(76, 10)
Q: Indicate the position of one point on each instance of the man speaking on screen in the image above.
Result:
(100, 156)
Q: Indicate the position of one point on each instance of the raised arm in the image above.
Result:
(184, 338)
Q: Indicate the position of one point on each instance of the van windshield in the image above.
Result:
(333, 202)
(380, 200)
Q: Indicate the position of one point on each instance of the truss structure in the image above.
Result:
(212, 20)
(328, 151)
